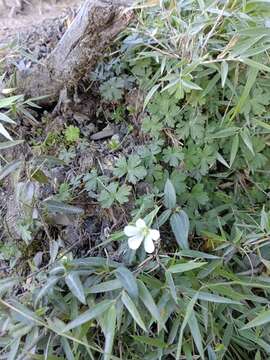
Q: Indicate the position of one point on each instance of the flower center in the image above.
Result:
(145, 231)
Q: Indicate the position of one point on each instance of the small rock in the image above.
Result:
(103, 134)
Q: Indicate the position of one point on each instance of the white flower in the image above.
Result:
(139, 233)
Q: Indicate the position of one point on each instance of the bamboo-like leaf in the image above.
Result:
(245, 135)
(5, 133)
(150, 95)
(75, 286)
(129, 304)
(252, 75)
(110, 326)
(169, 195)
(261, 319)
(44, 290)
(180, 227)
(128, 281)
(234, 149)
(188, 313)
(180, 268)
(89, 315)
(9, 101)
(9, 144)
(224, 72)
(10, 168)
(149, 303)
(196, 334)
(55, 206)
(105, 287)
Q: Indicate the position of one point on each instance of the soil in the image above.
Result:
(15, 20)
(36, 36)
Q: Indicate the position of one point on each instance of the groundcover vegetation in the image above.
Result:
(188, 82)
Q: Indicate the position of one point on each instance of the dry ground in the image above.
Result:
(13, 22)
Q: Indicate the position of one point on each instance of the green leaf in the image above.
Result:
(67, 349)
(109, 327)
(197, 254)
(188, 313)
(8, 102)
(252, 75)
(196, 334)
(228, 132)
(169, 195)
(106, 286)
(180, 227)
(131, 167)
(261, 319)
(149, 303)
(10, 168)
(234, 149)
(75, 286)
(7, 284)
(150, 341)
(190, 85)
(245, 135)
(224, 72)
(221, 159)
(45, 288)
(128, 281)
(55, 206)
(263, 124)
(89, 315)
(180, 268)
(9, 144)
(5, 133)
(129, 304)
(150, 95)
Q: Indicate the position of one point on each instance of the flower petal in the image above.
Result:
(155, 234)
(130, 230)
(149, 246)
(140, 224)
(134, 242)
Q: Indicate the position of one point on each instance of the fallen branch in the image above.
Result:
(91, 32)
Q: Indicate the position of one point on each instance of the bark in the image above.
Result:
(93, 29)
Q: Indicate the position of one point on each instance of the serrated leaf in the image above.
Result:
(74, 284)
(89, 315)
(129, 304)
(180, 227)
(128, 281)
(169, 195)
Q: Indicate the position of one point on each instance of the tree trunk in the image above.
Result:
(93, 29)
